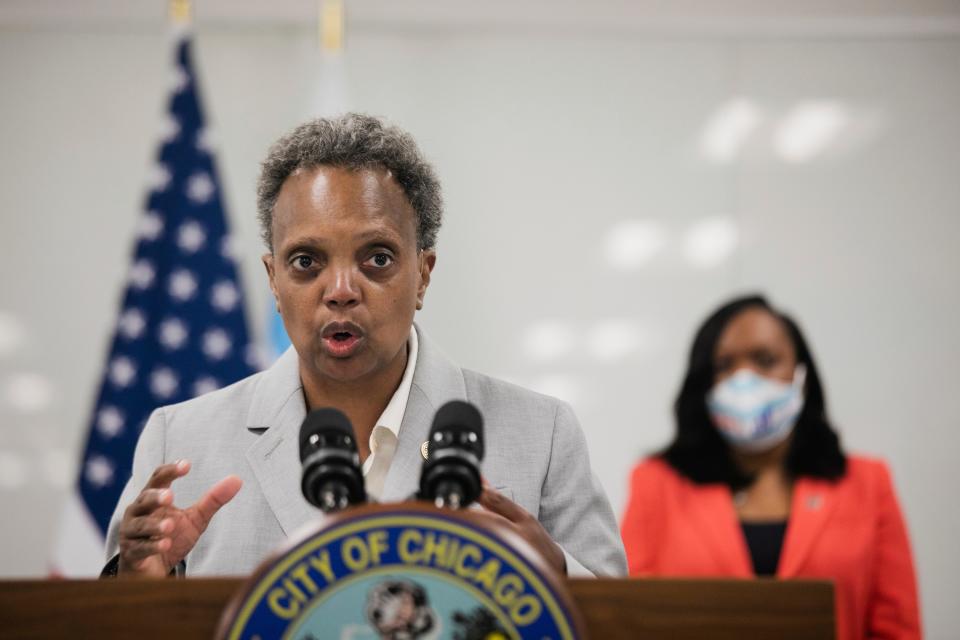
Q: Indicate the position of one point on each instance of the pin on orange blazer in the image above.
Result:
(850, 531)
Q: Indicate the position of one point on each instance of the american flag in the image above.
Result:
(181, 330)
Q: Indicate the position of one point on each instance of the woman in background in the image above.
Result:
(755, 482)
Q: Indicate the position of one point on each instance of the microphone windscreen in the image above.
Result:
(321, 423)
(459, 418)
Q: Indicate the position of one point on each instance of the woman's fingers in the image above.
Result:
(154, 526)
(218, 495)
(164, 475)
(134, 551)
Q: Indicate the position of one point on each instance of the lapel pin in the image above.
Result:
(814, 502)
(425, 450)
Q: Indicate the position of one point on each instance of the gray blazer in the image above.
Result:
(536, 455)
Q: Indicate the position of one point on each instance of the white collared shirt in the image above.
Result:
(386, 433)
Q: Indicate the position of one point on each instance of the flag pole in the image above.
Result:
(331, 26)
(180, 12)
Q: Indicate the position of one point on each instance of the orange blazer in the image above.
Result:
(850, 531)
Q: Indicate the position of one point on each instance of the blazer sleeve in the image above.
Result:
(148, 455)
(892, 610)
(574, 509)
(636, 529)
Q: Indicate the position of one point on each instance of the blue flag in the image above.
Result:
(181, 330)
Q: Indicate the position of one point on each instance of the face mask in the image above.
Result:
(754, 413)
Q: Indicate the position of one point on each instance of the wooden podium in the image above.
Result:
(611, 609)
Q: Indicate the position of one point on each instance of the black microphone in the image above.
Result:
(332, 479)
(451, 474)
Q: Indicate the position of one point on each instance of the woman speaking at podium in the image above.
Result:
(755, 482)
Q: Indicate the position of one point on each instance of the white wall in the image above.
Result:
(545, 141)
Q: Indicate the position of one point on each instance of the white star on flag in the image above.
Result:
(182, 285)
(132, 323)
(141, 274)
(191, 237)
(163, 382)
(204, 385)
(224, 296)
(228, 247)
(200, 187)
(159, 177)
(216, 344)
(99, 471)
(179, 80)
(205, 141)
(150, 227)
(122, 372)
(173, 333)
(169, 128)
(109, 422)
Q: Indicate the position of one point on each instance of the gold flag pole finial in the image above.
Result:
(180, 12)
(331, 25)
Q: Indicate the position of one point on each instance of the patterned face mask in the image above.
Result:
(754, 413)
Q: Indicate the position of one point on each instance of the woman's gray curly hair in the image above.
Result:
(353, 141)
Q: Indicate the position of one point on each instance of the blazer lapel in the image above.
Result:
(436, 380)
(278, 409)
(719, 529)
(813, 501)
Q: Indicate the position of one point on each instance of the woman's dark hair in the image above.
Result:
(700, 453)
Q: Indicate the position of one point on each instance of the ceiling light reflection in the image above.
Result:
(28, 392)
(710, 242)
(630, 244)
(548, 340)
(728, 129)
(808, 129)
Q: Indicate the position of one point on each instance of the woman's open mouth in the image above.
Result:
(341, 339)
